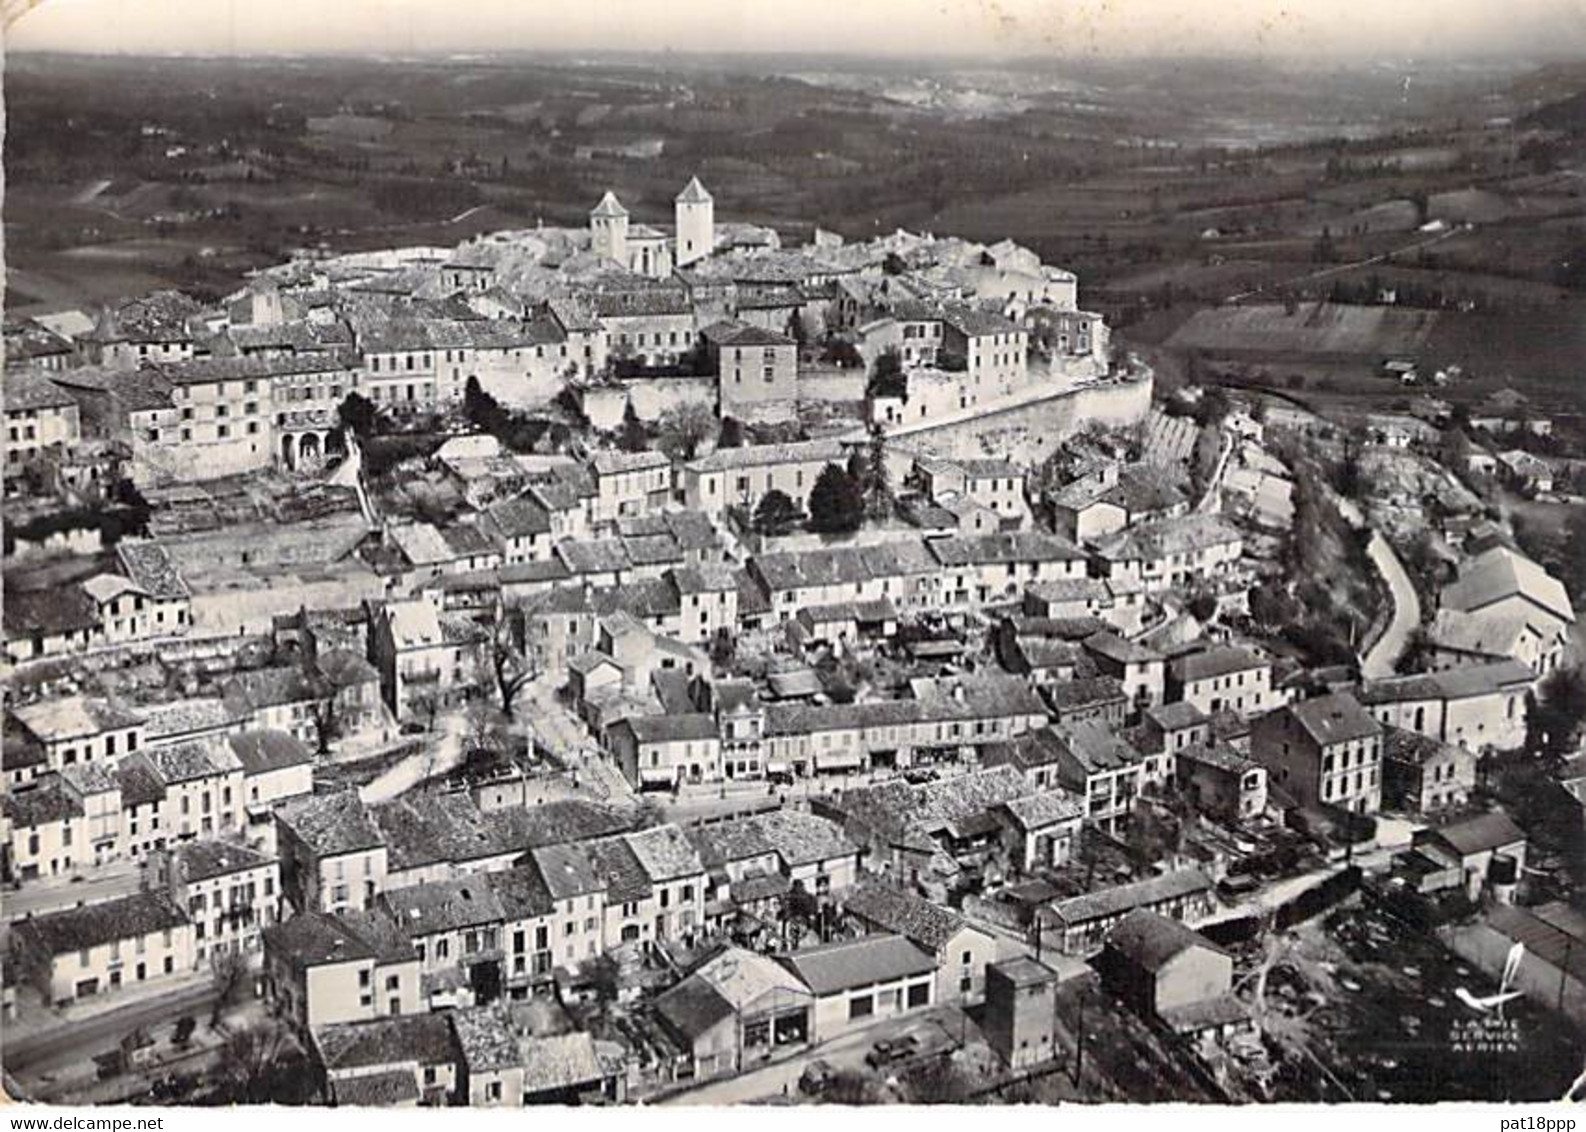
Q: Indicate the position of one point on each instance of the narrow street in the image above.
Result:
(444, 754)
(119, 878)
(935, 1027)
(74, 1042)
(1384, 655)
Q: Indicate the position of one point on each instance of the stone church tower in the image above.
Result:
(696, 223)
(608, 227)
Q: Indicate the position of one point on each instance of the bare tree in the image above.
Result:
(684, 428)
(510, 667)
(330, 721)
(230, 973)
(248, 1059)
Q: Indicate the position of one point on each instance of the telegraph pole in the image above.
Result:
(1079, 1040)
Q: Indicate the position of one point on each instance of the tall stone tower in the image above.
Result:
(608, 228)
(696, 223)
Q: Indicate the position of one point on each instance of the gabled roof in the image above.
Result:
(904, 913)
(1501, 572)
(1127, 897)
(835, 967)
(332, 824)
(1337, 718)
(1223, 660)
(90, 925)
(1480, 834)
(693, 1007)
(1152, 941)
(443, 906)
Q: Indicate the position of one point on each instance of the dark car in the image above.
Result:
(920, 775)
(816, 1077)
(891, 1051)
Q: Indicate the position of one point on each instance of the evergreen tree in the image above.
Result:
(836, 505)
(358, 414)
(877, 481)
(632, 436)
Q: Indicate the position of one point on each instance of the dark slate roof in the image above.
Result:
(614, 860)
(1480, 834)
(1337, 718)
(692, 1007)
(267, 749)
(1152, 941)
(1214, 662)
(312, 939)
(443, 906)
(140, 786)
(59, 609)
(522, 893)
(77, 929)
(204, 860)
(42, 804)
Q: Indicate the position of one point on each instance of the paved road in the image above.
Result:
(61, 1046)
(1336, 269)
(445, 754)
(1384, 655)
(38, 897)
(937, 1027)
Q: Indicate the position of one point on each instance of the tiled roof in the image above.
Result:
(1480, 834)
(205, 860)
(1127, 897)
(693, 1007)
(904, 913)
(149, 565)
(45, 803)
(1151, 941)
(72, 717)
(443, 906)
(1217, 661)
(332, 824)
(425, 1039)
(691, 727)
(664, 853)
(1007, 547)
(766, 455)
(1337, 718)
(81, 928)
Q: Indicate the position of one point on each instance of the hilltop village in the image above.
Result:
(656, 663)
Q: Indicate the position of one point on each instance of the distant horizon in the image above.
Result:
(1061, 30)
(1510, 58)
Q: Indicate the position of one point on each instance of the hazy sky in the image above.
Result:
(1381, 28)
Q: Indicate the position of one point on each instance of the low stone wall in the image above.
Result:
(1029, 432)
(828, 383)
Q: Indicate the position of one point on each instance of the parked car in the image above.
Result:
(918, 776)
(816, 1077)
(891, 1051)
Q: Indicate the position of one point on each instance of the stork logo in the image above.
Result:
(1493, 1004)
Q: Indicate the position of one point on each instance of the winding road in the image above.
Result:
(1381, 658)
